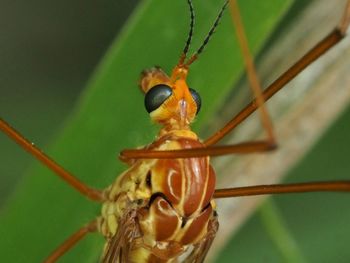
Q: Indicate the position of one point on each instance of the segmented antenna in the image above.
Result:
(190, 34)
(211, 32)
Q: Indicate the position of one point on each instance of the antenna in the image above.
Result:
(209, 35)
(190, 34)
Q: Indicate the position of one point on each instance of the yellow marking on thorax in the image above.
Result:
(183, 133)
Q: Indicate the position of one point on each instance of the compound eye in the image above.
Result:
(156, 97)
(197, 99)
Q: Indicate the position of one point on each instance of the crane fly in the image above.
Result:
(156, 157)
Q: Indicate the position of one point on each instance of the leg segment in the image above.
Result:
(322, 47)
(251, 71)
(93, 194)
(241, 148)
(336, 186)
(71, 241)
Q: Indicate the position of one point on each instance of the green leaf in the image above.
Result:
(110, 116)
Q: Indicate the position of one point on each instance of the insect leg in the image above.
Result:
(334, 186)
(240, 148)
(71, 241)
(318, 50)
(251, 72)
(91, 193)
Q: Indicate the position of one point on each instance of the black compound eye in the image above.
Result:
(156, 97)
(197, 99)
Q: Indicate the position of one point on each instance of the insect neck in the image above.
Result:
(178, 133)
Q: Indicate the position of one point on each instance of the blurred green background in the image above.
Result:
(48, 51)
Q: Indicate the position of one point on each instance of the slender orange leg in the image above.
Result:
(251, 71)
(93, 194)
(241, 148)
(336, 186)
(317, 51)
(71, 241)
(249, 147)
